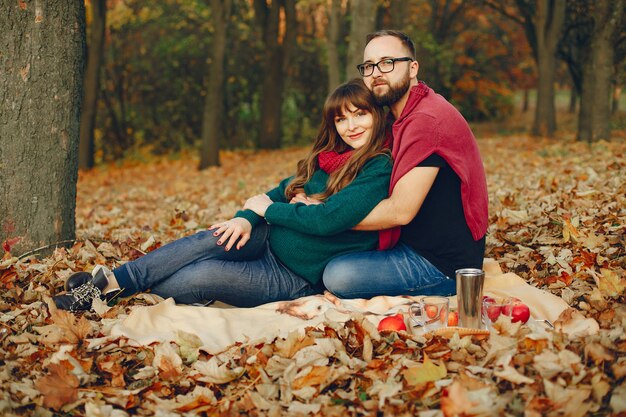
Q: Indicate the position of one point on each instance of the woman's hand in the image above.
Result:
(233, 229)
(258, 204)
(302, 198)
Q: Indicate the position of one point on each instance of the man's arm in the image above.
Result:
(404, 203)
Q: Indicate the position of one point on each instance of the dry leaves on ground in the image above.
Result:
(557, 220)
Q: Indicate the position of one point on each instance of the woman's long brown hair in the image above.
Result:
(353, 93)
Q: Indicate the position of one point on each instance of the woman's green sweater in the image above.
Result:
(305, 238)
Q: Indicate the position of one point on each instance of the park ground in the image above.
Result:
(557, 219)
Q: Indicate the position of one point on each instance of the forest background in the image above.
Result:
(176, 111)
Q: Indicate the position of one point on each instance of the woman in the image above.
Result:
(348, 169)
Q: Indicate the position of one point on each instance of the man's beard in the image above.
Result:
(394, 92)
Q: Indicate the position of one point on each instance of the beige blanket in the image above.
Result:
(218, 327)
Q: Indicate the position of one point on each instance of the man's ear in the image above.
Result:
(414, 69)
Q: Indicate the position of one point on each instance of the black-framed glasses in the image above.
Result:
(384, 65)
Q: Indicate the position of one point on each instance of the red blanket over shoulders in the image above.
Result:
(429, 124)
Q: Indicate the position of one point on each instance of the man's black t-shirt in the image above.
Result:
(439, 231)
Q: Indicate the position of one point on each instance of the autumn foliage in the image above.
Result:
(557, 220)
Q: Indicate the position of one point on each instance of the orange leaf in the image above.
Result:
(58, 388)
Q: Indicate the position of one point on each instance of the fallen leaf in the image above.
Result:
(424, 372)
(60, 387)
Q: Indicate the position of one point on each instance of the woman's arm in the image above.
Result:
(239, 228)
(341, 211)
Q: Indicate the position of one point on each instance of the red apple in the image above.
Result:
(392, 323)
(518, 312)
(494, 311)
(453, 319)
(488, 299)
(431, 311)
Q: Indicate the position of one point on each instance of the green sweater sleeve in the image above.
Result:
(341, 211)
(276, 194)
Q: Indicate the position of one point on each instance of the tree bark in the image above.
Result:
(277, 49)
(399, 14)
(550, 15)
(595, 109)
(617, 92)
(213, 103)
(41, 81)
(363, 14)
(332, 50)
(91, 85)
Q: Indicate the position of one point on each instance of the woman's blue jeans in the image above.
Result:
(194, 269)
(397, 271)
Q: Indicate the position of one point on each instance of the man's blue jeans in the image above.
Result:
(398, 271)
(194, 269)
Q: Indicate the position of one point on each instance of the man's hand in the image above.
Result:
(302, 198)
(233, 230)
(258, 204)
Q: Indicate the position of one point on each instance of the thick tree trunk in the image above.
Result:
(41, 77)
(363, 14)
(91, 85)
(332, 50)
(595, 109)
(213, 103)
(550, 16)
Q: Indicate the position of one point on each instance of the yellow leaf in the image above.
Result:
(317, 376)
(424, 372)
(610, 283)
(569, 231)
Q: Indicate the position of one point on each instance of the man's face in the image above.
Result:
(389, 87)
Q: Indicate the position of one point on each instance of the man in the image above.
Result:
(435, 218)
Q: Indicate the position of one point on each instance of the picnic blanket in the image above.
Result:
(220, 326)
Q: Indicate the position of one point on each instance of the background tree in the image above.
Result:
(599, 70)
(91, 83)
(41, 80)
(542, 21)
(212, 115)
(332, 44)
(362, 22)
(277, 40)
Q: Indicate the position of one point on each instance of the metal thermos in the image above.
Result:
(469, 293)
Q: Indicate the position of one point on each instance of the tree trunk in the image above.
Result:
(213, 103)
(550, 16)
(277, 51)
(617, 92)
(334, 30)
(525, 101)
(363, 14)
(594, 118)
(399, 13)
(41, 76)
(92, 77)
(572, 100)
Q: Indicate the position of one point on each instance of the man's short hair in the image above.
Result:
(404, 38)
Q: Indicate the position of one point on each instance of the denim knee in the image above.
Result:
(340, 277)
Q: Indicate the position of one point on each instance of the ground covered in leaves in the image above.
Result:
(557, 219)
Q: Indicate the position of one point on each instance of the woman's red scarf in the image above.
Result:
(330, 161)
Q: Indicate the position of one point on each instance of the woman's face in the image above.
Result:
(355, 126)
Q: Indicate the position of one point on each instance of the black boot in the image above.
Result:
(83, 288)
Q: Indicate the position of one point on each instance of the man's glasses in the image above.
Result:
(385, 65)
